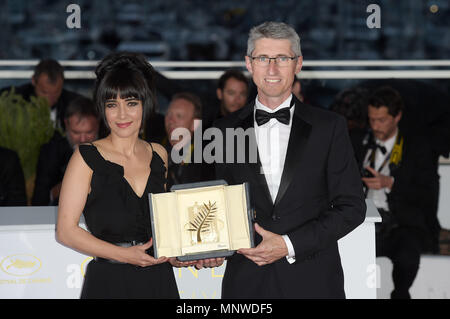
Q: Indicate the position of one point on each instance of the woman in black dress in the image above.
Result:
(109, 181)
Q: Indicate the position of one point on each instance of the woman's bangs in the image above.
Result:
(123, 85)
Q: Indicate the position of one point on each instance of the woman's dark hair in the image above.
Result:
(126, 75)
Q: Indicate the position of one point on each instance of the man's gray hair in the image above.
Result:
(274, 30)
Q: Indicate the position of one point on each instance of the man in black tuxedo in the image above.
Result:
(184, 112)
(426, 110)
(232, 92)
(82, 126)
(398, 173)
(304, 180)
(48, 82)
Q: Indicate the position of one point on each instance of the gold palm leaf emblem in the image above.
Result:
(203, 220)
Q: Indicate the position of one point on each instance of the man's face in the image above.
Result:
(233, 96)
(43, 87)
(81, 129)
(382, 123)
(180, 114)
(274, 83)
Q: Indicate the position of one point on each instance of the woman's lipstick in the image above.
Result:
(123, 125)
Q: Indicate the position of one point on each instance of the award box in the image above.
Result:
(201, 220)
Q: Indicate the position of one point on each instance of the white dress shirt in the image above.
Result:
(272, 139)
(379, 196)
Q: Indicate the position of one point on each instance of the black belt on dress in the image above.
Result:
(124, 244)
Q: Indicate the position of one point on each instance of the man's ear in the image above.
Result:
(299, 64)
(248, 64)
(398, 117)
(33, 81)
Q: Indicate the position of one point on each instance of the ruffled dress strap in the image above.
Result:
(91, 156)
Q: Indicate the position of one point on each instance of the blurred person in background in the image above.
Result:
(12, 181)
(154, 130)
(297, 90)
(48, 82)
(397, 171)
(82, 126)
(427, 113)
(185, 109)
(232, 92)
(352, 104)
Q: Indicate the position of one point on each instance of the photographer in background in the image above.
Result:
(397, 170)
(82, 126)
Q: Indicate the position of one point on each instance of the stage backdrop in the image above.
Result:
(34, 265)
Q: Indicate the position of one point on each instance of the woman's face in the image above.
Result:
(124, 116)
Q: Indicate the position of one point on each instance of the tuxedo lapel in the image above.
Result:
(254, 169)
(299, 133)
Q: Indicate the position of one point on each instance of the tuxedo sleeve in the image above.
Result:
(412, 196)
(345, 208)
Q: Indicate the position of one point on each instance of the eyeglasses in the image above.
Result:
(279, 60)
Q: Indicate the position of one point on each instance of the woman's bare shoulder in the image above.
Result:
(77, 161)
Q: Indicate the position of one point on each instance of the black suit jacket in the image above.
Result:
(12, 181)
(187, 172)
(52, 163)
(320, 200)
(411, 198)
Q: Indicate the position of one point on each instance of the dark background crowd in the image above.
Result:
(217, 31)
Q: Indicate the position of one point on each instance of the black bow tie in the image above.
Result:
(382, 149)
(283, 116)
